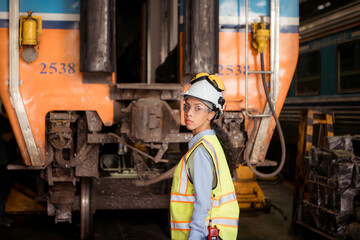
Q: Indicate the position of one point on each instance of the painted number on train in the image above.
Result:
(57, 68)
(228, 70)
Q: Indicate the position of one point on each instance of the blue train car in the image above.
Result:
(327, 74)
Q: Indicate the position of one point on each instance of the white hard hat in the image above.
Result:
(208, 88)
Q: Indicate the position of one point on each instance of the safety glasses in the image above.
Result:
(196, 109)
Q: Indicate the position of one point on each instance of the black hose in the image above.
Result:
(278, 126)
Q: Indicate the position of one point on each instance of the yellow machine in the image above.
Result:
(248, 191)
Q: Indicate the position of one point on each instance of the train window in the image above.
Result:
(308, 74)
(348, 73)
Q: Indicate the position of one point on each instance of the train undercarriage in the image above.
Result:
(126, 166)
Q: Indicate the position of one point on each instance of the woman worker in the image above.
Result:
(202, 192)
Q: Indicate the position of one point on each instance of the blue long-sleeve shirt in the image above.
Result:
(202, 181)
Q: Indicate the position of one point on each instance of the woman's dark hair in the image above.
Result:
(226, 145)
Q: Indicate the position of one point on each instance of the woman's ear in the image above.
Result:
(211, 115)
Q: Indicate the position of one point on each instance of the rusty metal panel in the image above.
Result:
(62, 193)
(93, 121)
(232, 122)
(149, 120)
(128, 91)
(201, 36)
(89, 168)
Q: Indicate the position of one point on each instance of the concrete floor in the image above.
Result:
(151, 224)
(257, 225)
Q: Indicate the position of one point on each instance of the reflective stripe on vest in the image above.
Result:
(182, 198)
(212, 149)
(224, 199)
(226, 222)
(180, 226)
(183, 178)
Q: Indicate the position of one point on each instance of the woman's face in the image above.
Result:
(197, 116)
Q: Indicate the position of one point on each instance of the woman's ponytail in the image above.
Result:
(226, 145)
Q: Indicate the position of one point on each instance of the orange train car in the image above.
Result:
(93, 89)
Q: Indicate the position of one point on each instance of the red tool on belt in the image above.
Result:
(213, 233)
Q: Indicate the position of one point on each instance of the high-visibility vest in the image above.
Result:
(224, 207)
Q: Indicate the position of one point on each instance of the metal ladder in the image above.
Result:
(248, 192)
(274, 56)
(274, 73)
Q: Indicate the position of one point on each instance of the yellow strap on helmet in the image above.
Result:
(214, 80)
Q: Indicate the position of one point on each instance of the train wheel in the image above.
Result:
(86, 216)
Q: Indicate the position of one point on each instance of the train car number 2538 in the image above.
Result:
(57, 68)
(231, 70)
